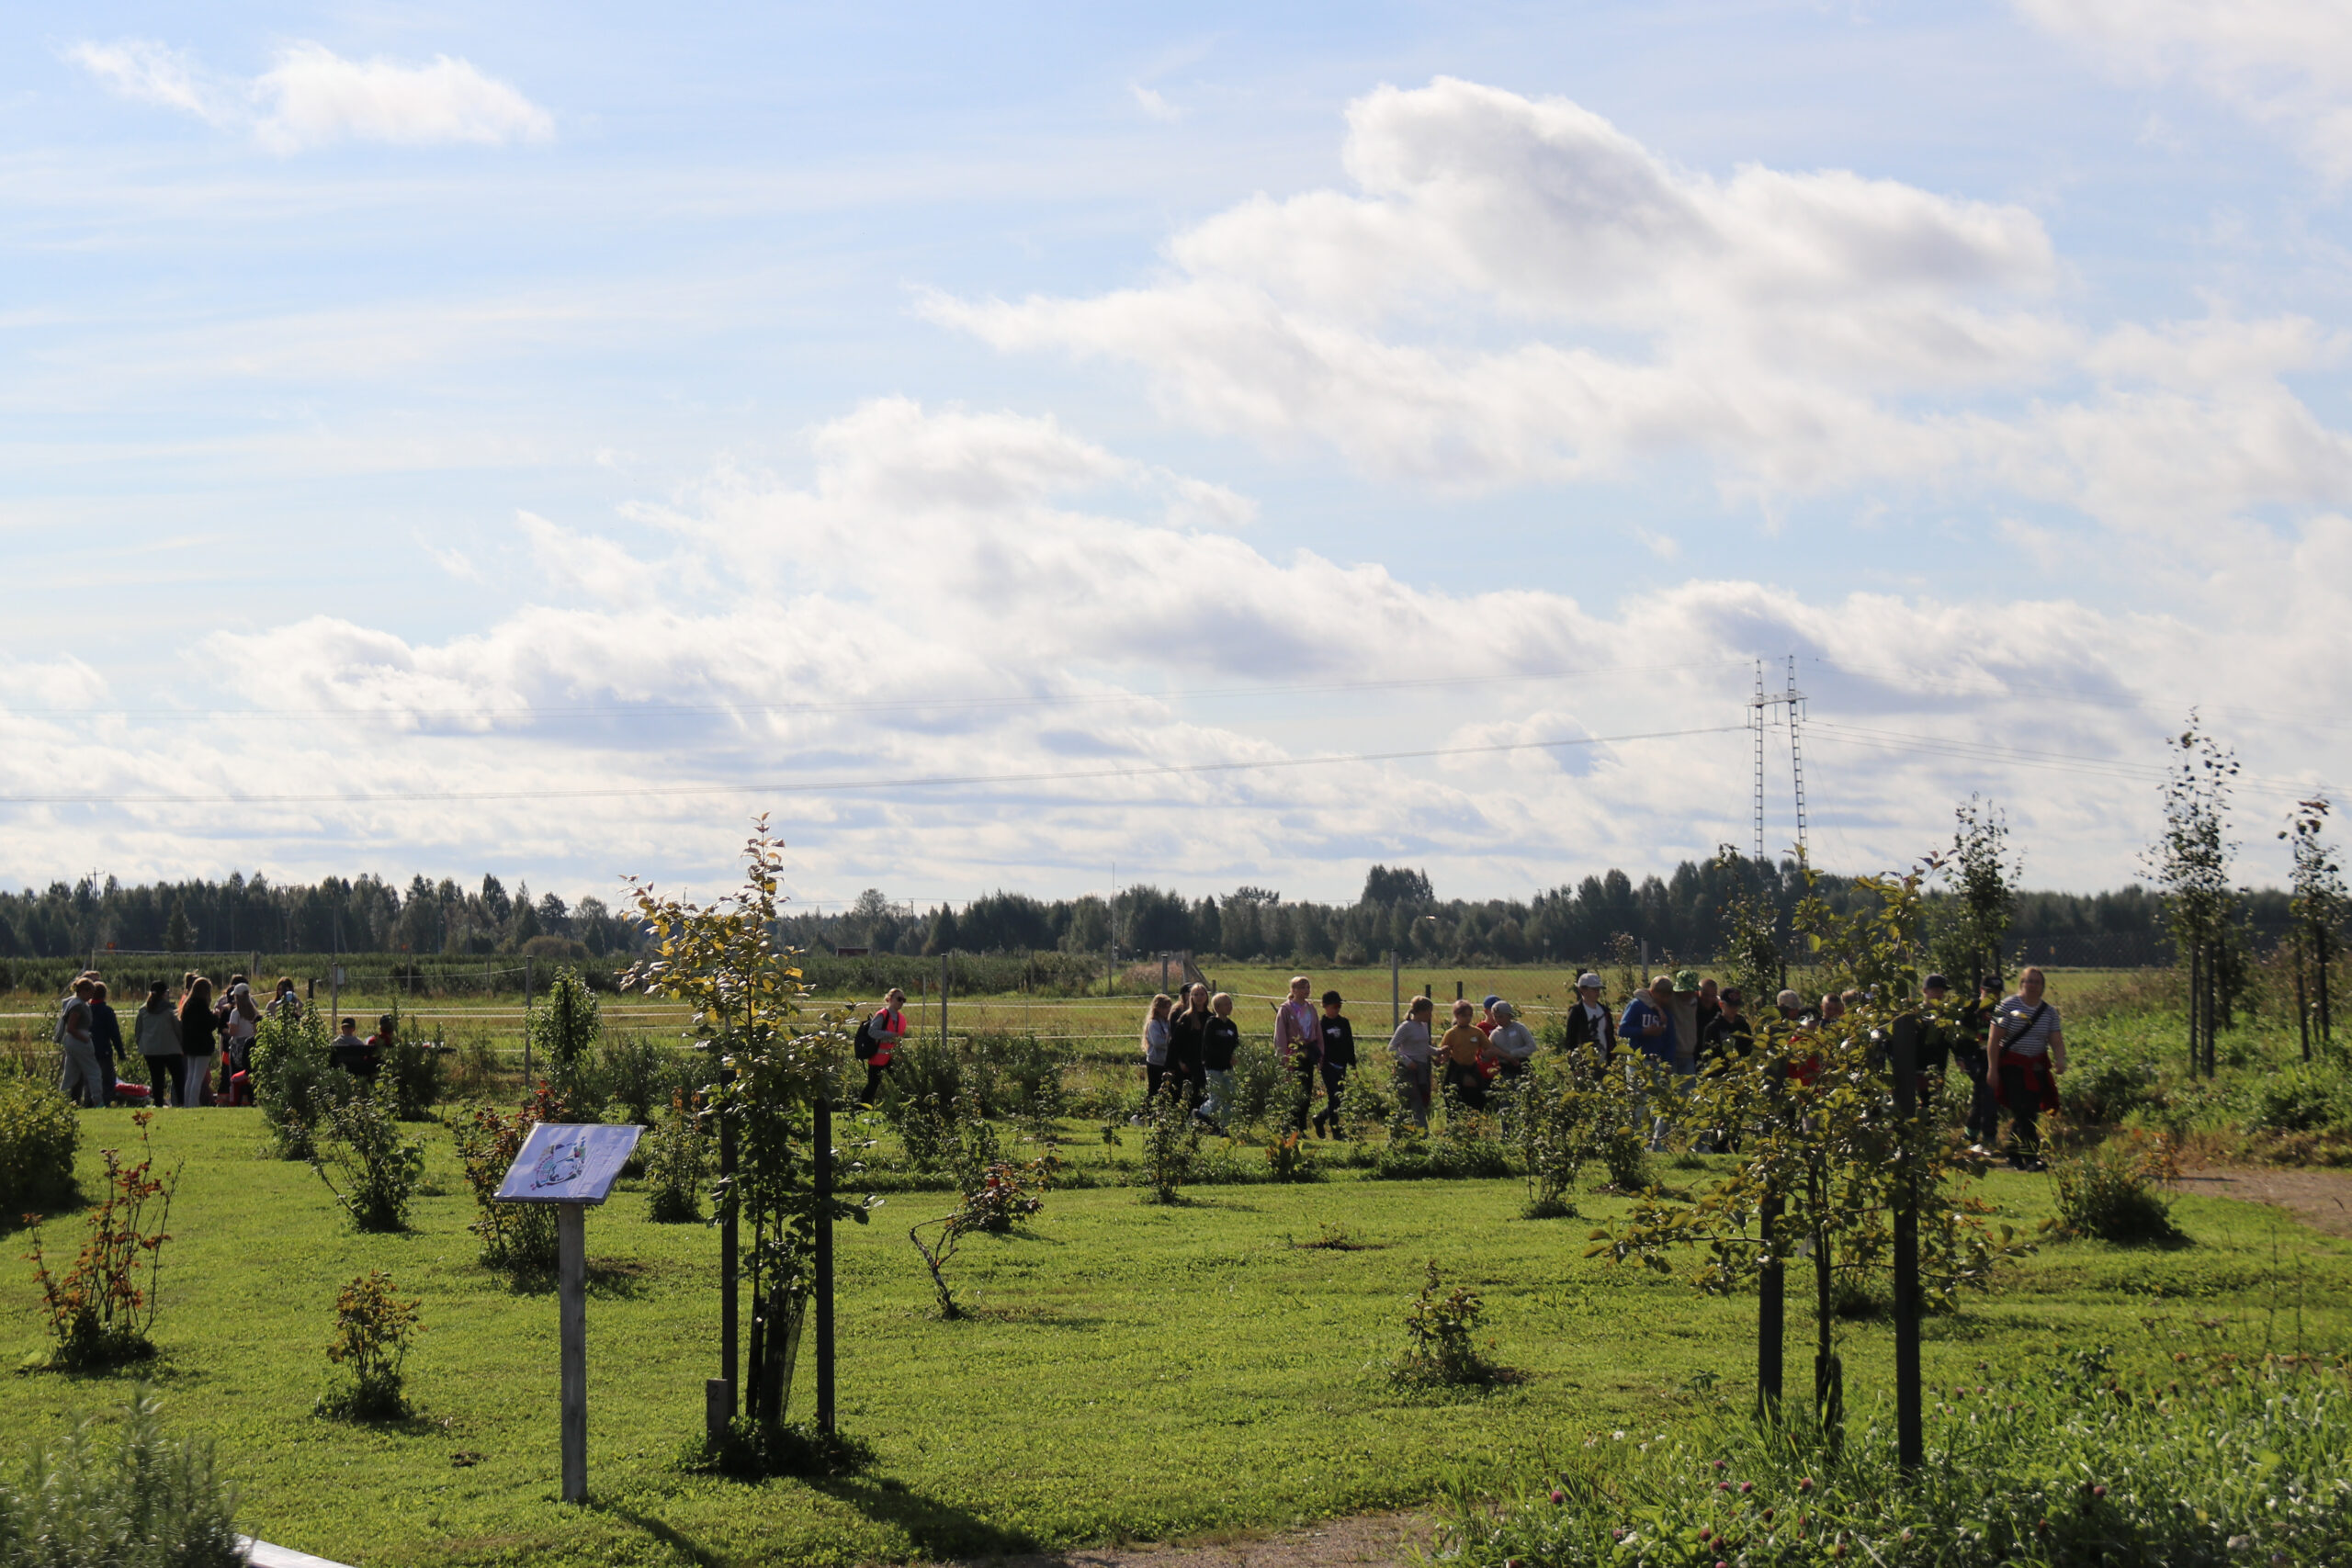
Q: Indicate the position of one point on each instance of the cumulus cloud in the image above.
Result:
(2285, 64)
(311, 96)
(1515, 291)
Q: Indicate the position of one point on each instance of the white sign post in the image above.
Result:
(571, 1165)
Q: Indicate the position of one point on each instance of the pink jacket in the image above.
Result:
(1297, 1024)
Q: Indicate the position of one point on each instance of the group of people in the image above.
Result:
(179, 1041)
(2009, 1048)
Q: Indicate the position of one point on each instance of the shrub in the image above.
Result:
(1258, 1083)
(412, 1071)
(1441, 1337)
(677, 1160)
(2102, 1088)
(2302, 1100)
(1002, 1195)
(101, 1311)
(2244, 1461)
(563, 1029)
(295, 1080)
(1555, 1137)
(1171, 1143)
(372, 1328)
(39, 1134)
(119, 1495)
(2109, 1193)
(518, 1238)
(639, 1076)
(1292, 1158)
(380, 1169)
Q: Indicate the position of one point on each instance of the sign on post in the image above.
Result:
(571, 1165)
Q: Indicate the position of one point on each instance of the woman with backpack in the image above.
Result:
(877, 1042)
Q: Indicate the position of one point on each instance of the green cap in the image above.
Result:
(1686, 979)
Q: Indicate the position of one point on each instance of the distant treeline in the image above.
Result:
(1397, 910)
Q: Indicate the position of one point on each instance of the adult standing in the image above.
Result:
(885, 1029)
(1298, 1046)
(1188, 1044)
(284, 1003)
(2027, 1048)
(1984, 1125)
(159, 1043)
(1938, 1032)
(79, 1081)
(1690, 1028)
(105, 1040)
(199, 1026)
(1588, 1022)
(1338, 1059)
(1512, 1044)
(1650, 1027)
(1413, 1049)
(1220, 1038)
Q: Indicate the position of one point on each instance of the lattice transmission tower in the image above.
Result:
(1760, 716)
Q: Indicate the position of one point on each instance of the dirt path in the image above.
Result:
(2320, 1199)
(1377, 1540)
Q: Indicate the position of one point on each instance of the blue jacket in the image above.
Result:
(1638, 1012)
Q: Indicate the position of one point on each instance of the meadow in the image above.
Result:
(1128, 1370)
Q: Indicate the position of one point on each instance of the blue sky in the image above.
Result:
(438, 437)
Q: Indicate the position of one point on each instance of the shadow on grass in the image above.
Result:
(939, 1529)
(609, 1278)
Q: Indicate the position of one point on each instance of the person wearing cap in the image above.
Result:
(1711, 1007)
(1512, 1046)
(1791, 1006)
(1588, 1022)
(1651, 1029)
(1486, 1024)
(240, 1017)
(1338, 1059)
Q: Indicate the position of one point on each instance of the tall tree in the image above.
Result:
(2319, 909)
(2189, 863)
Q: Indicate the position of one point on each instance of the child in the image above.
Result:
(1462, 1048)
(1220, 1037)
(1338, 1056)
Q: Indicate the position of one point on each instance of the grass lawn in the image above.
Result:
(1131, 1372)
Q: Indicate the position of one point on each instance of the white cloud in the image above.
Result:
(1515, 291)
(2285, 64)
(1153, 103)
(313, 97)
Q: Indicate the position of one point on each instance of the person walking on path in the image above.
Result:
(1588, 1022)
(79, 1081)
(1413, 1050)
(1510, 1045)
(1186, 1045)
(159, 1043)
(1338, 1059)
(105, 1040)
(199, 1026)
(2026, 1046)
(1462, 1047)
(1220, 1038)
(886, 1031)
(1155, 1048)
(1298, 1046)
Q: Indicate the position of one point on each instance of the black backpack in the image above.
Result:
(864, 1042)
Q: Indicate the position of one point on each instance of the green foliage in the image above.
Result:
(2103, 1088)
(1559, 1128)
(1462, 1144)
(2110, 1191)
(39, 1134)
(2074, 1466)
(563, 1030)
(998, 1195)
(100, 1311)
(2298, 1099)
(381, 1169)
(1259, 1083)
(641, 1076)
(516, 1238)
(295, 1080)
(372, 1330)
(1289, 1158)
(1967, 926)
(1171, 1143)
(411, 1070)
(677, 1162)
(1751, 937)
(119, 1495)
(1442, 1338)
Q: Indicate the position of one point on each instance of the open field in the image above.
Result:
(1131, 1372)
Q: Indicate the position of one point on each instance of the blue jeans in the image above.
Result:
(1218, 1096)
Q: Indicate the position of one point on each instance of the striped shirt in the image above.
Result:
(2018, 1039)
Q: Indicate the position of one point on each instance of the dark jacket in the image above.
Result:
(1185, 1042)
(105, 1032)
(1339, 1042)
(1581, 1031)
(1219, 1042)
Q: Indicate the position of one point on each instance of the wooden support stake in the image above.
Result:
(825, 1263)
(1910, 1446)
(571, 1289)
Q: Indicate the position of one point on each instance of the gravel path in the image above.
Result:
(1379, 1540)
(2320, 1199)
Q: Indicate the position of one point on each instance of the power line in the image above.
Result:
(931, 781)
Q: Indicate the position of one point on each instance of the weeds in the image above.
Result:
(677, 1160)
(101, 1311)
(2110, 1192)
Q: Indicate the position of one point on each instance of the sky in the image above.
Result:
(1055, 447)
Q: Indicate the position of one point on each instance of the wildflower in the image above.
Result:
(1805, 1483)
(1559, 1497)
(2099, 1491)
(1745, 1487)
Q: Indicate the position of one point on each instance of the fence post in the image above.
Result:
(527, 1021)
(1395, 1018)
(1771, 1319)
(1910, 1447)
(728, 1290)
(942, 1001)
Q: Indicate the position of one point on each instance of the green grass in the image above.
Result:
(1130, 1371)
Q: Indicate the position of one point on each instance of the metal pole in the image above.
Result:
(1771, 1320)
(1910, 1446)
(572, 1308)
(825, 1263)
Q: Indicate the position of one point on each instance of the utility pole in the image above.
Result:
(1759, 716)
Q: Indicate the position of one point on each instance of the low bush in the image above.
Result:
(412, 1071)
(677, 1162)
(516, 1238)
(1171, 1143)
(1291, 1158)
(100, 1310)
(372, 1328)
(2225, 1461)
(2301, 1099)
(2104, 1087)
(295, 1081)
(563, 1030)
(119, 1494)
(1001, 1194)
(39, 1134)
(380, 1169)
(1442, 1338)
(641, 1076)
(2110, 1192)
